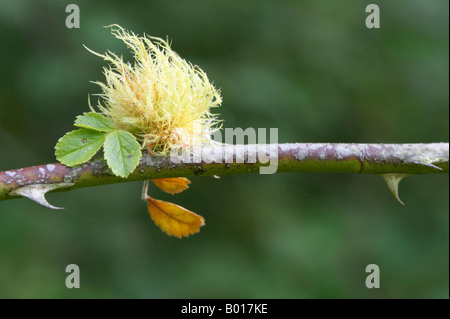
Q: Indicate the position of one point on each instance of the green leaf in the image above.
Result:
(94, 121)
(79, 146)
(122, 152)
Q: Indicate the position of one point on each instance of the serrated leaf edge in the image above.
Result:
(92, 128)
(107, 158)
(78, 163)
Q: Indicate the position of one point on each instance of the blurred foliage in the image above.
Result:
(311, 69)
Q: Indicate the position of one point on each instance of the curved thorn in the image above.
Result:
(425, 162)
(36, 192)
(431, 165)
(393, 180)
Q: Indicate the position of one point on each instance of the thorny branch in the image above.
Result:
(391, 161)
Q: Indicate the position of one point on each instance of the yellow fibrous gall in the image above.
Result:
(160, 98)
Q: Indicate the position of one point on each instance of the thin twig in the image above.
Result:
(383, 159)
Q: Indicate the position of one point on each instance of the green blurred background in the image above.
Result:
(310, 68)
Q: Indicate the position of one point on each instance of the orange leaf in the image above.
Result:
(172, 185)
(173, 219)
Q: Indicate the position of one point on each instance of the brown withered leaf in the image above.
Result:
(172, 185)
(174, 220)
